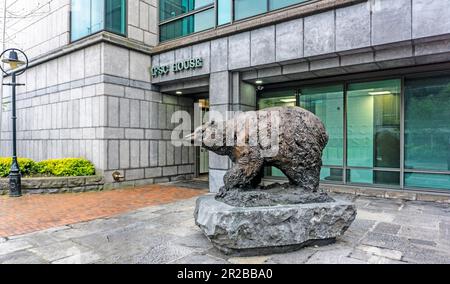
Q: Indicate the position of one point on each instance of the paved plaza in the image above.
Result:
(386, 231)
(32, 213)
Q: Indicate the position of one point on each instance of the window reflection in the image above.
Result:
(226, 9)
(373, 117)
(91, 16)
(427, 124)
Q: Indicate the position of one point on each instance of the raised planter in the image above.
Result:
(51, 185)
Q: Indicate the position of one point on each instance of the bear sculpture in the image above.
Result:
(301, 141)
(248, 219)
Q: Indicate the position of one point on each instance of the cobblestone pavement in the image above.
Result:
(386, 231)
(32, 213)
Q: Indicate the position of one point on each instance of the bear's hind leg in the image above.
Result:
(307, 179)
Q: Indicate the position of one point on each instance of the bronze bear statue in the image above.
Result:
(302, 138)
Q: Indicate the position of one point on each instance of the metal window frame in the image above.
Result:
(104, 29)
(402, 133)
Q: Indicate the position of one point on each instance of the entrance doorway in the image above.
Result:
(202, 155)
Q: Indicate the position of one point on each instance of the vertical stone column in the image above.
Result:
(227, 93)
(220, 101)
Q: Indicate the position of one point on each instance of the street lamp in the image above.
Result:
(16, 67)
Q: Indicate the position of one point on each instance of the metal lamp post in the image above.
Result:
(17, 67)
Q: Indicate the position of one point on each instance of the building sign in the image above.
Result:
(185, 65)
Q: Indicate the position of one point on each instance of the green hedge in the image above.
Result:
(56, 167)
(27, 166)
(66, 168)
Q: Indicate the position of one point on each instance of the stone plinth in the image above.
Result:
(248, 231)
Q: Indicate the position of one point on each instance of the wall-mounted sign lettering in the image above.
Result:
(189, 64)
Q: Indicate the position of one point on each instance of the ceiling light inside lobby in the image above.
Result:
(382, 93)
(289, 100)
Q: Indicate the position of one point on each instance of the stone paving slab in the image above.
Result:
(385, 232)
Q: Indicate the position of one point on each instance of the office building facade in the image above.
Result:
(106, 78)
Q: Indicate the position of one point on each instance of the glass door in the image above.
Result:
(203, 154)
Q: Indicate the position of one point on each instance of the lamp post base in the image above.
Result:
(15, 184)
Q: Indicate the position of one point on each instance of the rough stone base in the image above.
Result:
(272, 195)
(268, 230)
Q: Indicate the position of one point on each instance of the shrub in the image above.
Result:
(66, 168)
(57, 167)
(27, 167)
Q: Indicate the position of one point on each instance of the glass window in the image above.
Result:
(173, 8)
(248, 8)
(202, 3)
(204, 20)
(115, 16)
(169, 9)
(223, 12)
(328, 104)
(194, 23)
(363, 176)
(81, 18)
(427, 124)
(277, 4)
(332, 174)
(278, 99)
(97, 16)
(373, 122)
(427, 181)
(373, 130)
(91, 16)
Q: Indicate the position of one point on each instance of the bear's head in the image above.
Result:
(211, 136)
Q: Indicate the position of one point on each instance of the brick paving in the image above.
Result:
(39, 212)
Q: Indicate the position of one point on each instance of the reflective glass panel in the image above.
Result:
(188, 25)
(328, 104)
(115, 16)
(224, 14)
(427, 124)
(277, 4)
(331, 174)
(373, 130)
(80, 19)
(173, 8)
(364, 176)
(91, 16)
(427, 181)
(248, 8)
(97, 16)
